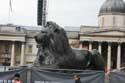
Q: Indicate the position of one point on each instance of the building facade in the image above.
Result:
(109, 36)
(17, 48)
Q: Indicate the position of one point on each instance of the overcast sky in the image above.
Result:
(64, 12)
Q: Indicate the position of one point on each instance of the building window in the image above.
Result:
(114, 21)
(30, 48)
(102, 20)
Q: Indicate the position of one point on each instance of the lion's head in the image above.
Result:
(53, 37)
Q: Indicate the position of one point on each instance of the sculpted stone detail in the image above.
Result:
(54, 50)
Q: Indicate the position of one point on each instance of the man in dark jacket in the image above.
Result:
(77, 79)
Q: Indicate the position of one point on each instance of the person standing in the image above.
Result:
(17, 78)
(77, 79)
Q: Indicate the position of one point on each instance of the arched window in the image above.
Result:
(29, 49)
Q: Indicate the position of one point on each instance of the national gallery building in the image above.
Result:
(18, 46)
(109, 36)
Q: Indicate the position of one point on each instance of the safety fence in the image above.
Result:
(117, 76)
(43, 75)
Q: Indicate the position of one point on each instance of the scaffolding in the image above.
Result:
(42, 12)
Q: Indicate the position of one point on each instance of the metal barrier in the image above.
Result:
(116, 76)
(4, 68)
(43, 75)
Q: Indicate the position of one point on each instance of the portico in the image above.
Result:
(21, 55)
(12, 44)
(110, 46)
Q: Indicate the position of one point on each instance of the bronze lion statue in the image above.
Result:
(54, 50)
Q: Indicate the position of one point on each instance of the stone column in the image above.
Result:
(22, 55)
(80, 46)
(12, 55)
(100, 47)
(109, 57)
(90, 46)
(118, 55)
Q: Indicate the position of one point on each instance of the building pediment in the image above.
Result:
(106, 33)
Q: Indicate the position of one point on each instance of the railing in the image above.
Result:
(4, 68)
(122, 69)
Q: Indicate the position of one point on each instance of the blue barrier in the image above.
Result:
(40, 75)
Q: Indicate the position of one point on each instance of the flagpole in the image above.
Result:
(10, 12)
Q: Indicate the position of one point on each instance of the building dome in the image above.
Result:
(112, 7)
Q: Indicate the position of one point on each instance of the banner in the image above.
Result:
(46, 76)
(7, 77)
(117, 77)
(37, 75)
